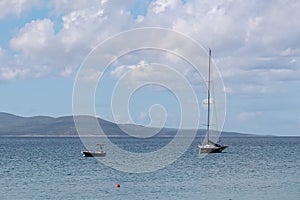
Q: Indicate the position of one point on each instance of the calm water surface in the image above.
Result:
(53, 168)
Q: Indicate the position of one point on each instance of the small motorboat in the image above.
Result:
(95, 153)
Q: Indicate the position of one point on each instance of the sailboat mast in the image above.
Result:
(208, 96)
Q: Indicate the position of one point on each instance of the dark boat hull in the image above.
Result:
(93, 154)
(217, 149)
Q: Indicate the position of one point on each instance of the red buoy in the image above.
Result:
(118, 185)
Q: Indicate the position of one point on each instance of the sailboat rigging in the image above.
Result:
(209, 146)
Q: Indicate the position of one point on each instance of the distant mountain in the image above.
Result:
(13, 125)
(42, 125)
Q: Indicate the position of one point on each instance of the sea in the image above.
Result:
(54, 168)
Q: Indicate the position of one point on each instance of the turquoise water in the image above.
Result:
(53, 168)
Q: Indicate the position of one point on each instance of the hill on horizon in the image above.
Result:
(14, 125)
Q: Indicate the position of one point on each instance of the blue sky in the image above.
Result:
(256, 46)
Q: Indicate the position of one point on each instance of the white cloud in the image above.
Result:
(15, 7)
(251, 44)
(140, 68)
(141, 72)
(37, 51)
(160, 6)
(34, 38)
(84, 25)
(14, 67)
(140, 18)
(9, 74)
(144, 72)
(119, 71)
(90, 75)
(66, 6)
(286, 52)
(66, 72)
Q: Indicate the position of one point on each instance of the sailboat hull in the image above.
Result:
(93, 154)
(212, 149)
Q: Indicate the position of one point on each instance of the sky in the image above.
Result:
(255, 45)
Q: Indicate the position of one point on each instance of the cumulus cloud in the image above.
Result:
(252, 41)
(35, 39)
(37, 51)
(9, 74)
(141, 73)
(62, 7)
(66, 72)
(83, 26)
(157, 78)
(90, 75)
(15, 7)
(160, 6)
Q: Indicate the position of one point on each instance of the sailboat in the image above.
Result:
(209, 146)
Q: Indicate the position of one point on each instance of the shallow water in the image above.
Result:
(53, 168)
